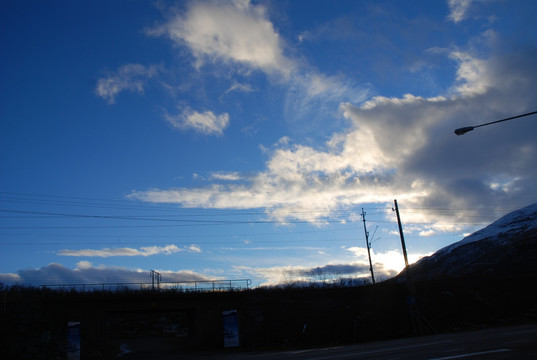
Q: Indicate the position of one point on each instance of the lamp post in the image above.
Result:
(464, 130)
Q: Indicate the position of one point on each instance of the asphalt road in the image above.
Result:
(519, 342)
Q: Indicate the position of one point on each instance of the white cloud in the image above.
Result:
(301, 182)
(226, 176)
(229, 31)
(206, 122)
(10, 278)
(427, 233)
(402, 148)
(194, 248)
(108, 252)
(130, 77)
(458, 9)
(472, 75)
(238, 34)
(237, 87)
(84, 264)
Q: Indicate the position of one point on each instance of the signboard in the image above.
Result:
(231, 328)
(73, 340)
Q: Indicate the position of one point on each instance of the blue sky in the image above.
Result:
(242, 139)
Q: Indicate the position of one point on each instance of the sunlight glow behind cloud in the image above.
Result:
(385, 265)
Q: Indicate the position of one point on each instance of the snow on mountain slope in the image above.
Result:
(506, 247)
(516, 221)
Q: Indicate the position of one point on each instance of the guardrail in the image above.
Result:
(208, 285)
(193, 285)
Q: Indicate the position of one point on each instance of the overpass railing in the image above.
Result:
(193, 285)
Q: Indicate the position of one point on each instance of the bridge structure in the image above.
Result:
(193, 285)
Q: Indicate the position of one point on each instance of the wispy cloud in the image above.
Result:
(238, 37)
(131, 77)
(227, 176)
(143, 251)
(194, 248)
(314, 96)
(240, 33)
(458, 9)
(206, 122)
(237, 87)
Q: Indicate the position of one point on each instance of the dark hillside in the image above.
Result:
(507, 247)
(486, 279)
(34, 321)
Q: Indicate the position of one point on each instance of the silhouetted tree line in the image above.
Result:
(34, 320)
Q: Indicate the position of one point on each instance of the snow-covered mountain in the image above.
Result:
(506, 247)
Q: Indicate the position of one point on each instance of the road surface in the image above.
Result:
(512, 343)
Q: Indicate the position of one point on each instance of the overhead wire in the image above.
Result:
(177, 211)
(172, 216)
(130, 205)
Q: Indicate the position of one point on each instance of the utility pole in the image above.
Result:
(155, 277)
(419, 322)
(368, 244)
(396, 209)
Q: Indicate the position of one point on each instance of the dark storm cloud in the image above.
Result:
(492, 167)
(341, 269)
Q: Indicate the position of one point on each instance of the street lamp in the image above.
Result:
(464, 130)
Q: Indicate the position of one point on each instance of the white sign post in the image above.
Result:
(73, 340)
(231, 328)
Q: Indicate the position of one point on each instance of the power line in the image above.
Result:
(146, 218)
(129, 204)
